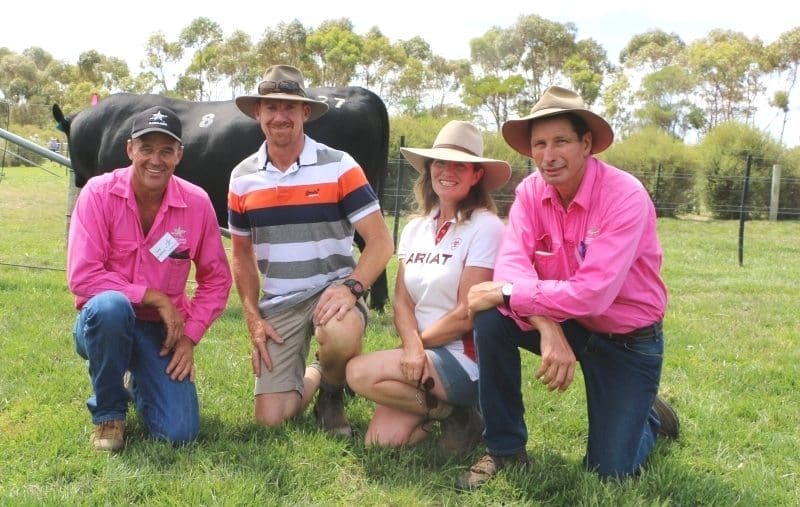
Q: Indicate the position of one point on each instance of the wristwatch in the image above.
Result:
(356, 287)
(506, 291)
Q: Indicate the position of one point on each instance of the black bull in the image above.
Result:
(217, 136)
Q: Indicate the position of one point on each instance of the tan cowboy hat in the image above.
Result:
(557, 100)
(281, 82)
(460, 141)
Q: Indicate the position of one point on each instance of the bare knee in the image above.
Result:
(273, 410)
(342, 338)
(358, 374)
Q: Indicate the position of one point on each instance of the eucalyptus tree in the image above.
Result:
(410, 85)
(238, 62)
(496, 95)
(651, 50)
(663, 96)
(336, 50)
(542, 48)
(785, 55)
(203, 36)
(494, 87)
(586, 68)
(284, 44)
(514, 65)
(19, 78)
(653, 60)
(618, 103)
(380, 60)
(159, 53)
(728, 68)
(446, 78)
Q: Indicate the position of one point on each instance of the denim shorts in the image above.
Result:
(459, 388)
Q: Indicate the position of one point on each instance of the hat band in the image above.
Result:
(457, 147)
(291, 87)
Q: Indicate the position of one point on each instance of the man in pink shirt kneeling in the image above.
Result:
(577, 279)
(133, 236)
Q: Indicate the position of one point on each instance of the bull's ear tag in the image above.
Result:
(165, 246)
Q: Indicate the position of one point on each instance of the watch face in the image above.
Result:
(355, 287)
(506, 289)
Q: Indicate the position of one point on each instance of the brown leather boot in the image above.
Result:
(461, 431)
(109, 436)
(487, 467)
(670, 425)
(329, 410)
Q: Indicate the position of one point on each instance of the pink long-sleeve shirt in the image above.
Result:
(108, 250)
(598, 261)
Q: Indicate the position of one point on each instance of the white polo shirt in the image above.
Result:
(433, 270)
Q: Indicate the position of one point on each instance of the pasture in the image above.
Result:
(732, 371)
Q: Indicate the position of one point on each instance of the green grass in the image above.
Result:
(732, 371)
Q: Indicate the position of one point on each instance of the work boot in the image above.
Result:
(487, 467)
(109, 436)
(670, 425)
(329, 410)
(461, 431)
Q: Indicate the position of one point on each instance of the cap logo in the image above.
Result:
(158, 118)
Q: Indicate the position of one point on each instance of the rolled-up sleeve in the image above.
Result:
(213, 276)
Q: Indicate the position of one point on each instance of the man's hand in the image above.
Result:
(182, 362)
(335, 301)
(172, 318)
(558, 360)
(484, 295)
(260, 331)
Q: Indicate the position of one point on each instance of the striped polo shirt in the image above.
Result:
(300, 221)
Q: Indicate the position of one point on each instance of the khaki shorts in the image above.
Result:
(296, 327)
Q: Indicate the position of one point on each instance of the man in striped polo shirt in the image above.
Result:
(293, 208)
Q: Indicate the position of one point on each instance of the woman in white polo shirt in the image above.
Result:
(448, 247)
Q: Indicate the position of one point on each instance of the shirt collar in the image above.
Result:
(307, 157)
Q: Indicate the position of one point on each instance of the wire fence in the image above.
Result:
(674, 193)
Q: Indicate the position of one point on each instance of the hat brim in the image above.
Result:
(517, 133)
(247, 104)
(156, 129)
(495, 175)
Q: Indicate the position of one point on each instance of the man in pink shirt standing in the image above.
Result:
(133, 236)
(577, 279)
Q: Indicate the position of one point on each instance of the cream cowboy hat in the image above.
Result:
(460, 141)
(557, 100)
(281, 82)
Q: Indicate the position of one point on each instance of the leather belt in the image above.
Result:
(643, 333)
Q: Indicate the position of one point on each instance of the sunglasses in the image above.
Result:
(292, 87)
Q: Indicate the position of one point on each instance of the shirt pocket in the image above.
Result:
(545, 257)
(122, 257)
(176, 274)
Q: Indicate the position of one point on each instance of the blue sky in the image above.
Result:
(66, 29)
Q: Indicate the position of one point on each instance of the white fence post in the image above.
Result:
(775, 194)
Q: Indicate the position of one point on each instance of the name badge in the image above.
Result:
(165, 246)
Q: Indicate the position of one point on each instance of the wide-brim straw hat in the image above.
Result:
(554, 101)
(460, 141)
(281, 82)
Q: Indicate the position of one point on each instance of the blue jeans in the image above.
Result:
(109, 335)
(621, 381)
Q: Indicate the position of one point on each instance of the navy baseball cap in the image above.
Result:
(157, 119)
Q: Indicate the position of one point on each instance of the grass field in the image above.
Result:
(732, 370)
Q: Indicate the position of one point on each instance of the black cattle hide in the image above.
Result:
(217, 136)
